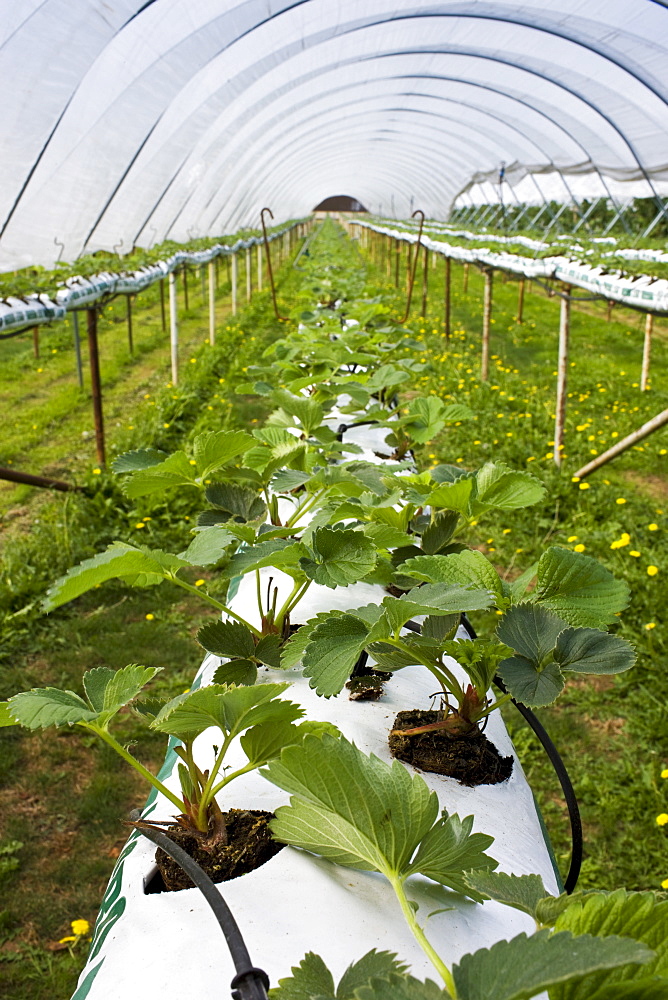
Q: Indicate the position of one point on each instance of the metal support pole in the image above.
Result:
(465, 282)
(77, 346)
(128, 309)
(562, 374)
(96, 388)
(647, 348)
(652, 425)
(425, 283)
(235, 275)
(249, 276)
(520, 300)
(397, 261)
(486, 318)
(212, 303)
(173, 328)
(259, 267)
(447, 303)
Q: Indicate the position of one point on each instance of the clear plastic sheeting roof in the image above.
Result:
(127, 123)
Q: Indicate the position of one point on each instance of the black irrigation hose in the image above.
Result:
(560, 771)
(249, 982)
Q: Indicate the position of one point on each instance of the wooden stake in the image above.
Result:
(96, 388)
(562, 373)
(35, 340)
(173, 328)
(259, 268)
(185, 286)
(425, 283)
(397, 261)
(235, 275)
(13, 476)
(249, 276)
(448, 290)
(212, 303)
(520, 300)
(203, 283)
(162, 305)
(77, 346)
(646, 351)
(486, 318)
(652, 425)
(128, 309)
(465, 283)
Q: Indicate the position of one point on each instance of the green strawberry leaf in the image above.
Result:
(523, 892)
(226, 639)
(340, 556)
(215, 449)
(137, 461)
(579, 589)
(524, 966)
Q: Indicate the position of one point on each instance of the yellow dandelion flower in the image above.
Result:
(634, 553)
(652, 570)
(650, 625)
(662, 819)
(200, 583)
(664, 773)
(584, 486)
(150, 617)
(620, 500)
(579, 548)
(653, 527)
(97, 472)
(80, 927)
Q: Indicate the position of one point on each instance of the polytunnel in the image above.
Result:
(131, 123)
(323, 412)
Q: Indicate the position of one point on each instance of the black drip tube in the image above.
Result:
(249, 983)
(561, 772)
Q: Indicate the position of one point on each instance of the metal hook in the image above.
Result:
(285, 319)
(117, 247)
(62, 247)
(418, 211)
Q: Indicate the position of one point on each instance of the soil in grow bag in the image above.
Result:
(249, 846)
(473, 759)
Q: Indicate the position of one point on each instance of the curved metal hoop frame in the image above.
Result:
(284, 319)
(411, 281)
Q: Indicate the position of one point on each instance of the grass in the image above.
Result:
(61, 796)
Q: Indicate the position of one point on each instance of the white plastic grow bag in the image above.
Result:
(168, 946)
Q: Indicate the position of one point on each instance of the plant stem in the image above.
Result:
(145, 773)
(292, 601)
(215, 604)
(497, 704)
(258, 589)
(420, 936)
(250, 766)
(308, 503)
(207, 793)
(442, 674)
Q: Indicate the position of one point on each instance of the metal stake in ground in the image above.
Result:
(173, 328)
(646, 351)
(212, 303)
(96, 388)
(249, 276)
(270, 269)
(562, 372)
(411, 276)
(486, 320)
